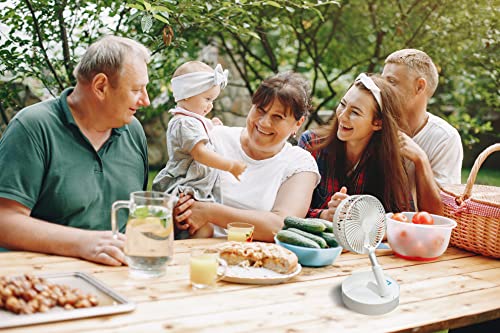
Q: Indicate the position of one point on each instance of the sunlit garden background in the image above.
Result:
(329, 42)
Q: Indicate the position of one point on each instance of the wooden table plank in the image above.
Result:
(458, 289)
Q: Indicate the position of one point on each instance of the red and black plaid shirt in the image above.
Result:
(363, 180)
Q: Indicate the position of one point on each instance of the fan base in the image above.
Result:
(360, 293)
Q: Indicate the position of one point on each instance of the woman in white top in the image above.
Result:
(279, 179)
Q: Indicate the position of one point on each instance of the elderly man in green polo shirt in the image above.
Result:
(63, 162)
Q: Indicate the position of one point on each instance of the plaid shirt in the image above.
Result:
(364, 179)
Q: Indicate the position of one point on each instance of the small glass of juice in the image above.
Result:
(206, 269)
(240, 232)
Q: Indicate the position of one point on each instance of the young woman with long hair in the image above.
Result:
(359, 151)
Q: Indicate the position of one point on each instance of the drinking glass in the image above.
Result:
(240, 232)
(149, 232)
(206, 269)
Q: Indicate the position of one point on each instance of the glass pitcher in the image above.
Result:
(149, 232)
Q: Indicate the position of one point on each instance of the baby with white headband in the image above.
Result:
(192, 164)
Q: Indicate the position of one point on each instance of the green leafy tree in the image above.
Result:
(328, 41)
(43, 40)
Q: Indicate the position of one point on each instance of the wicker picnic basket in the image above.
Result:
(476, 210)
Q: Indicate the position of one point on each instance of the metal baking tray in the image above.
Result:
(109, 302)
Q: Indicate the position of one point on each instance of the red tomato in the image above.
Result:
(422, 218)
(399, 217)
(437, 243)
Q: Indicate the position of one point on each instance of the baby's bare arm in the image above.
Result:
(212, 159)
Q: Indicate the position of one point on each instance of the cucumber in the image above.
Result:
(292, 238)
(330, 239)
(321, 242)
(314, 227)
(328, 224)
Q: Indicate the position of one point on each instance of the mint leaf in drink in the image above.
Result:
(141, 212)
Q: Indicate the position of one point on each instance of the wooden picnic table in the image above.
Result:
(458, 289)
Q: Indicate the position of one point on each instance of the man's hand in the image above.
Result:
(335, 201)
(237, 168)
(103, 248)
(409, 148)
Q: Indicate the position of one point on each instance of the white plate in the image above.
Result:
(253, 275)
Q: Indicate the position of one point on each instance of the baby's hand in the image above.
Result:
(216, 121)
(237, 168)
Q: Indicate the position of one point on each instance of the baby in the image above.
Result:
(192, 164)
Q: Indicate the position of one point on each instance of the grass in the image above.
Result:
(484, 177)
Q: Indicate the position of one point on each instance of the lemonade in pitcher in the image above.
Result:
(150, 238)
(149, 232)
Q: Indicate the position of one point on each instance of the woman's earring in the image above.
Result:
(294, 135)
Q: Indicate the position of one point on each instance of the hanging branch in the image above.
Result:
(269, 50)
(316, 61)
(68, 65)
(412, 6)
(4, 114)
(416, 32)
(317, 68)
(380, 36)
(332, 32)
(40, 41)
(248, 51)
(124, 11)
(235, 63)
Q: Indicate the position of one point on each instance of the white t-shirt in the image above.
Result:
(443, 146)
(261, 181)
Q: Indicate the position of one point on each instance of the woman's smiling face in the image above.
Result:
(269, 127)
(356, 116)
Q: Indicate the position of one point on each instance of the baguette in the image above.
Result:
(258, 254)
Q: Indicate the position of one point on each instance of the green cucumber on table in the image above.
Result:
(328, 224)
(321, 241)
(330, 239)
(315, 227)
(290, 237)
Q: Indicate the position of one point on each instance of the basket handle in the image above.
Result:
(475, 169)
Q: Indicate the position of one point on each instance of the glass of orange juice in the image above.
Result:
(240, 232)
(206, 269)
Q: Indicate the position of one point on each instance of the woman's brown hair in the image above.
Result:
(387, 155)
(290, 89)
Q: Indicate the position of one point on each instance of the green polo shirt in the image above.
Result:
(49, 166)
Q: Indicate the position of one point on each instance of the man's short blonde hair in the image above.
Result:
(192, 67)
(419, 62)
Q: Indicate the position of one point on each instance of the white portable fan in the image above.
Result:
(359, 226)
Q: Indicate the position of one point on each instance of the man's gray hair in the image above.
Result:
(107, 56)
(420, 63)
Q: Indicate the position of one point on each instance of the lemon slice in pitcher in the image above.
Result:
(157, 227)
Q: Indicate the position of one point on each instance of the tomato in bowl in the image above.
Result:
(419, 239)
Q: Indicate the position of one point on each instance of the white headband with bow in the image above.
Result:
(370, 85)
(193, 84)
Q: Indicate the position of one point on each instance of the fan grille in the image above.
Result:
(359, 218)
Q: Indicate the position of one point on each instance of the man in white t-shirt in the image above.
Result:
(432, 146)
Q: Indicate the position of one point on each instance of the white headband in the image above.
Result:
(370, 85)
(193, 84)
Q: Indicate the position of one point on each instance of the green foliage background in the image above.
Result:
(328, 41)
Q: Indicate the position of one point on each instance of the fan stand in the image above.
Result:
(359, 226)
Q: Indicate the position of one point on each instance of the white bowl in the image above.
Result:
(419, 241)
